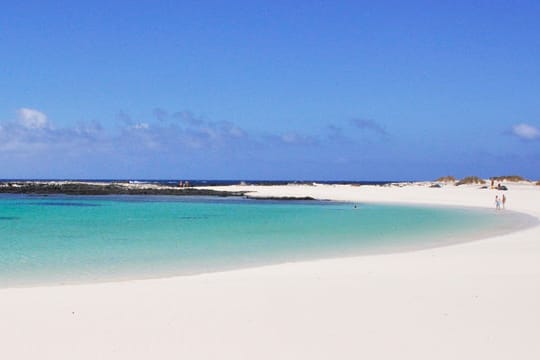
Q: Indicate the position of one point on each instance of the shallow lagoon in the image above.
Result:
(71, 239)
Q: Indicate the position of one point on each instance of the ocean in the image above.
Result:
(210, 182)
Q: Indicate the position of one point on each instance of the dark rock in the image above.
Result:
(286, 198)
(81, 188)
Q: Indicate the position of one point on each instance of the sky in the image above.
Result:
(279, 90)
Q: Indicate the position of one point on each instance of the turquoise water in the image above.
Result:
(66, 239)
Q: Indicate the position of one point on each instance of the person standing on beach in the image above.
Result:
(497, 203)
(503, 201)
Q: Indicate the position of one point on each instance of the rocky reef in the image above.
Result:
(88, 188)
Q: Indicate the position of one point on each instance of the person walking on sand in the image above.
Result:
(503, 201)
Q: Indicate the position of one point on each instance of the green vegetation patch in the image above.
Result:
(512, 178)
(470, 180)
(448, 178)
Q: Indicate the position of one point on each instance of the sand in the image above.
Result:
(477, 300)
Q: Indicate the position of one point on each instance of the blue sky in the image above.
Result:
(269, 89)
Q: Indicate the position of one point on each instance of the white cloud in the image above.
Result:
(32, 119)
(526, 131)
(140, 126)
(294, 138)
(289, 138)
(236, 132)
(366, 124)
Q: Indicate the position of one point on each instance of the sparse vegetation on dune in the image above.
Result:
(448, 178)
(470, 180)
(511, 178)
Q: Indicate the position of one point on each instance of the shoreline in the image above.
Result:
(476, 299)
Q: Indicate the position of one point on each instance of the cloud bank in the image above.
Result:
(167, 144)
(164, 141)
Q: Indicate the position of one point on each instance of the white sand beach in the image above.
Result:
(476, 300)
